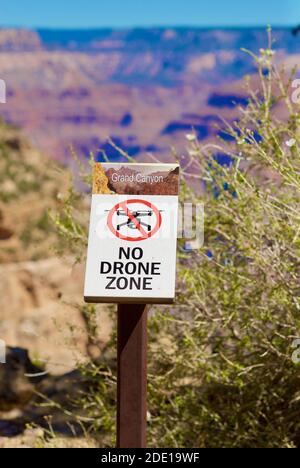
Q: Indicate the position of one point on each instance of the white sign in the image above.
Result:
(133, 234)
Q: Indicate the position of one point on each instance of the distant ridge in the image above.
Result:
(177, 39)
(146, 88)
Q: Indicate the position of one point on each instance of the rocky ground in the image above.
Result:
(37, 312)
(44, 333)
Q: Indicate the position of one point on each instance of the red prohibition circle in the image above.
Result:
(124, 206)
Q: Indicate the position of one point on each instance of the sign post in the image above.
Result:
(131, 261)
(132, 376)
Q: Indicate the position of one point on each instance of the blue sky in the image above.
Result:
(127, 13)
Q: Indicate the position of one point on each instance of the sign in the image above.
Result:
(133, 234)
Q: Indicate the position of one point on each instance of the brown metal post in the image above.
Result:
(132, 376)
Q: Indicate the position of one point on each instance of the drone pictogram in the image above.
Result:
(137, 215)
(145, 222)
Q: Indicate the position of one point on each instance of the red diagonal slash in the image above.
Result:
(129, 214)
(133, 219)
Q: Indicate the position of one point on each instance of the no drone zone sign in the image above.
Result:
(133, 234)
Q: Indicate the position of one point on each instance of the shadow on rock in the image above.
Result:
(37, 398)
